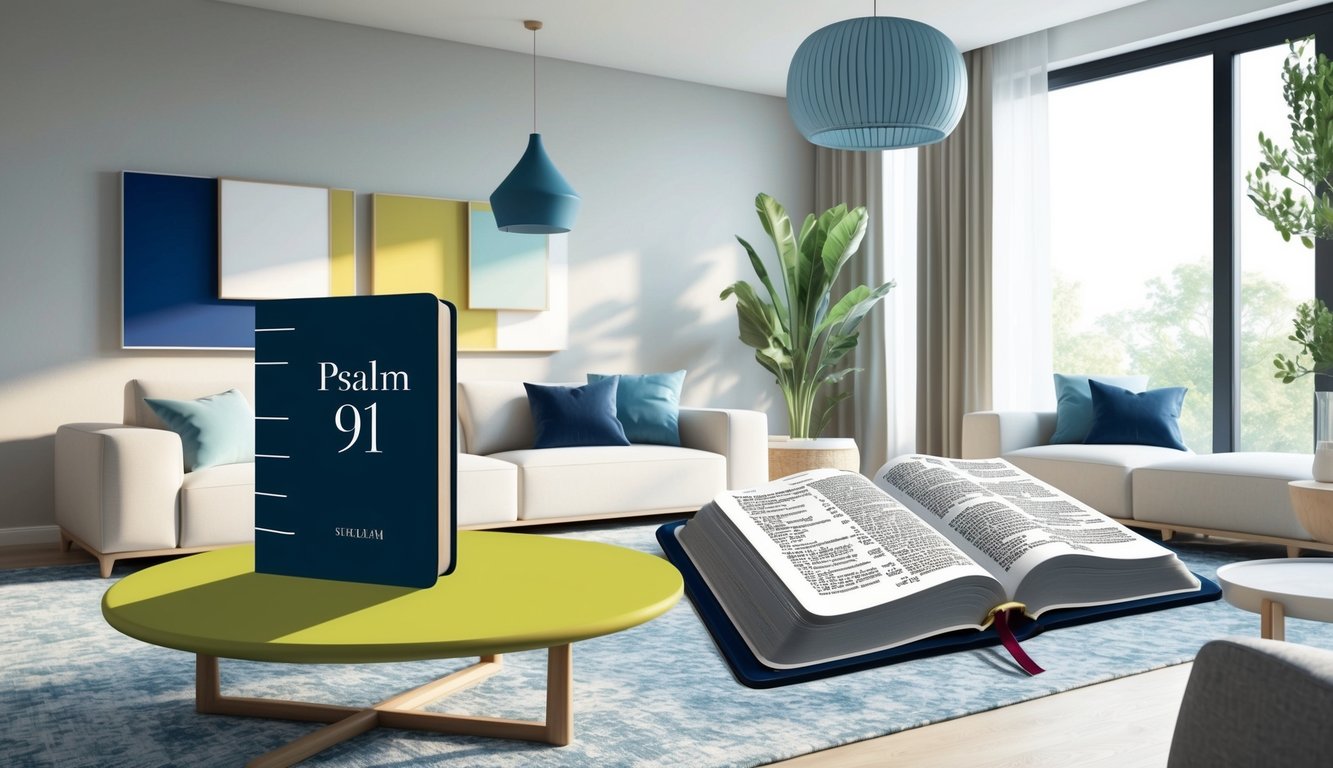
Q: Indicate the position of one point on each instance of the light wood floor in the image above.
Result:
(1124, 723)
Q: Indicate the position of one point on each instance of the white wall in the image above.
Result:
(667, 170)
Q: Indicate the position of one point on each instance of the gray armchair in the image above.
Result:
(1252, 702)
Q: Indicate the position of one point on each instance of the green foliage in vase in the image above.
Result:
(1314, 333)
(802, 333)
(1305, 210)
(1307, 87)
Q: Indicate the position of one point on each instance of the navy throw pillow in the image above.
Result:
(1121, 417)
(567, 417)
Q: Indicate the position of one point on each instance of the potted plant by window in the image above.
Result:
(1304, 209)
(801, 332)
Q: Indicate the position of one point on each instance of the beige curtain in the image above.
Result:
(856, 178)
(954, 271)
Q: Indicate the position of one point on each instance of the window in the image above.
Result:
(1161, 266)
(1275, 275)
(1132, 256)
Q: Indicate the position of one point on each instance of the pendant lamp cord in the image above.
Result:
(534, 81)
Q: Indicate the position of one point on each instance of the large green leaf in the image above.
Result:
(762, 272)
(859, 310)
(839, 311)
(759, 324)
(778, 226)
(844, 238)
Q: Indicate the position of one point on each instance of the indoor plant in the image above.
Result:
(801, 332)
(1307, 87)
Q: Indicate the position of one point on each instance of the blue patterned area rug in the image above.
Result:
(74, 692)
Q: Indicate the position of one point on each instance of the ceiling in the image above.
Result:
(742, 44)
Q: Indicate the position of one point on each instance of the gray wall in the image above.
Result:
(667, 170)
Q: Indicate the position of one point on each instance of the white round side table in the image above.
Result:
(1298, 587)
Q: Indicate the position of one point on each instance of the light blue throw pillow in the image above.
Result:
(569, 417)
(1073, 403)
(648, 406)
(1121, 417)
(218, 429)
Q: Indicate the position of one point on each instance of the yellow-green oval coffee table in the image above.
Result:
(510, 592)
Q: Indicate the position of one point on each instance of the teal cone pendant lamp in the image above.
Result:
(535, 199)
(876, 83)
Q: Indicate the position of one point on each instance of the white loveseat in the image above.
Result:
(1237, 495)
(121, 490)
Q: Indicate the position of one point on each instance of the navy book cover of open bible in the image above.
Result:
(355, 453)
(754, 673)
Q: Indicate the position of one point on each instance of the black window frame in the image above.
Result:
(1224, 45)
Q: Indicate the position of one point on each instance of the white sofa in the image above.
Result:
(121, 490)
(1237, 495)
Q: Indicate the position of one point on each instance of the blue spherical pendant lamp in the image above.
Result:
(876, 83)
(535, 199)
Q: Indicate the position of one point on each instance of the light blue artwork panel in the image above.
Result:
(505, 270)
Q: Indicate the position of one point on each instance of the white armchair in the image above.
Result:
(122, 490)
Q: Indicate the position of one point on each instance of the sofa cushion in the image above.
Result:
(138, 414)
(1120, 416)
(487, 490)
(572, 417)
(1073, 408)
(648, 406)
(217, 506)
(1097, 475)
(1243, 492)
(217, 429)
(574, 482)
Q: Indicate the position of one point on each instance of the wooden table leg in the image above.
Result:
(1272, 620)
(207, 683)
(315, 742)
(401, 711)
(560, 695)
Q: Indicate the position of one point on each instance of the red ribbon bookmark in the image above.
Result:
(1011, 644)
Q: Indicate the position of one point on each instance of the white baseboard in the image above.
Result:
(32, 534)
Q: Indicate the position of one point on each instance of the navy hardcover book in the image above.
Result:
(355, 452)
(752, 672)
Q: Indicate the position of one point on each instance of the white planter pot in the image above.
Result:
(787, 456)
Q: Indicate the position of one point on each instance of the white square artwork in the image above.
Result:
(273, 241)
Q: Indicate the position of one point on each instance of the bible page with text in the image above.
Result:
(839, 544)
(1005, 519)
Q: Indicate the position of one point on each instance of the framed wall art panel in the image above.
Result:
(281, 241)
(505, 270)
(421, 244)
(169, 267)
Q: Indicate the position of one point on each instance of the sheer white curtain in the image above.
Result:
(881, 413)
(900, 170)
(1021, 264)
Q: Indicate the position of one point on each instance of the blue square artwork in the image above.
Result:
(169, 262)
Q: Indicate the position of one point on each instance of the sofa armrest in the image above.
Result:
(116, 486)
(741, 436)
(989, 434)
(1255, 702)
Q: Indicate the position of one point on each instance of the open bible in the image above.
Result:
(826, 565)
